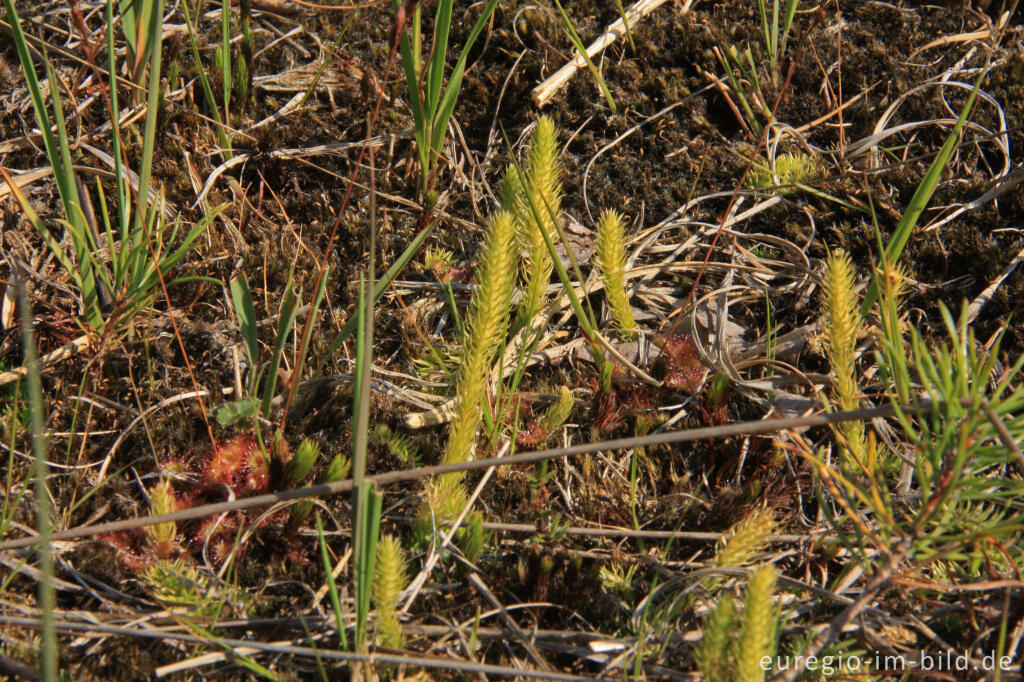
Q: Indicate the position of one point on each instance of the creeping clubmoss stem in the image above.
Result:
(487, 325)
(611, 259)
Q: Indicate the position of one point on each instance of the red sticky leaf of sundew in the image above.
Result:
(137, 551)
(217, 534)
(239, 464)
(132, 549)
(530, 433)
(680, 363)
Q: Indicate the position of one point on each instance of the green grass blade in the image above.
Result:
(332, 586)
(47, 598)
(578, 42)
(211, 100)
(318, 299)
(369, 503)
(787, 23)
(32, 81)
(154, 30)
(37, 223)
(923, 194)
(144, 271)
(366, 501)
(381, 286)
(773, 42)
(438, 55)
(410, 64)
(451, 93)
(129, 12)
(246, 662)
(123, 205)
(113, 252)
(285, 324)
(765, 29)
(625, 24)
(62, 169)
(59, 157)
(225, 62)
(241, 296)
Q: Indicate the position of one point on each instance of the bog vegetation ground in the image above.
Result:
(738, 212)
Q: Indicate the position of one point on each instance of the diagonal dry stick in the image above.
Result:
(480, 587)
(546, 90)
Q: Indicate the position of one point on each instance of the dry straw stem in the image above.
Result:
(62, 353)
(759, 625)
(611, 259)
(546, 90)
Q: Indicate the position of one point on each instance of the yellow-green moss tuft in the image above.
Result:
(790, 170)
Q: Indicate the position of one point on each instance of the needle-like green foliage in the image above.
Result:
(431, 99)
